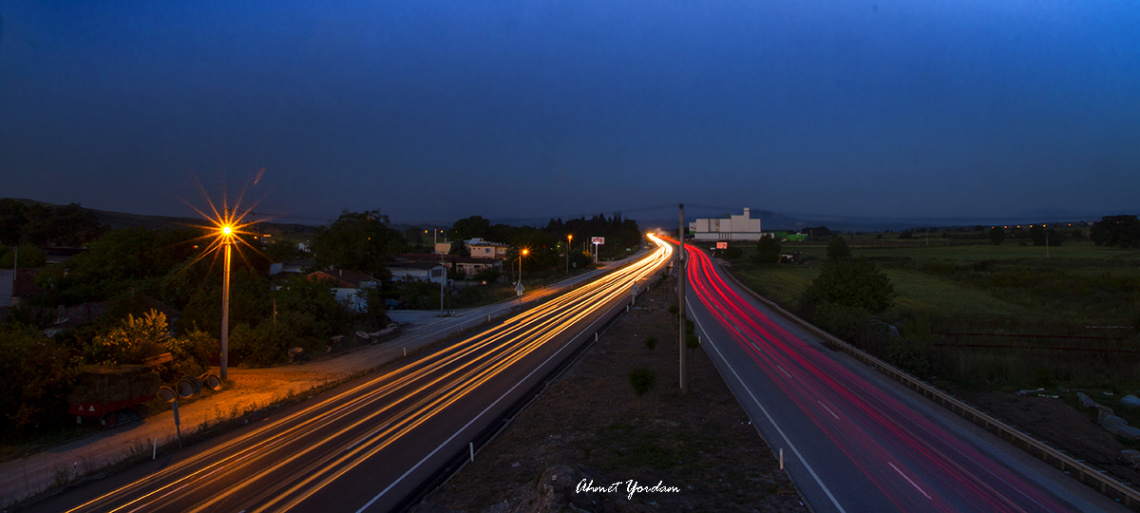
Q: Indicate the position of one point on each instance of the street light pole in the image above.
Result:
(227, 234)
(569, 239)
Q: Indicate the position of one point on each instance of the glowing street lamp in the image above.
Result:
(227, 238)
(519, 286)
(227, 223)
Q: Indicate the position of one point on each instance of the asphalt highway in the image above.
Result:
(367, 445)
(852, 440)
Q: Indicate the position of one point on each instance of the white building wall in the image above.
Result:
(433, 275)
(737, 227)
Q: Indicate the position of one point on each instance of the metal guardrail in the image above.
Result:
(1085, 473)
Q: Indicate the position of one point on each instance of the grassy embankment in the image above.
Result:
(994, 317)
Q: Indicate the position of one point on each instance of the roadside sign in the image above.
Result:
(722, 245)
(519, 289)
(598, 241)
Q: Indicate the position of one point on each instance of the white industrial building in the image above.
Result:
(737, 227)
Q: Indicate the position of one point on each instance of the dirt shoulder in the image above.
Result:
(1048, 417)
(590, 426)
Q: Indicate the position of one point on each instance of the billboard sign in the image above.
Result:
(598, 241)
(722, 245)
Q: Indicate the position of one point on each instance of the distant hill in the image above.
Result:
(121, 220)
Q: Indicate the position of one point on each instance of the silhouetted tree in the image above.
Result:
(119, 260)
(471, 228)
(13, 217)
(837, 249)
(851, 283)
(358, 240)
(767, 251)
(459, 248)
(1122, 231)
(67, 225)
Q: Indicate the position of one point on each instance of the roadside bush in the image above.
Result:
(650, 342)
(845, 322)
(257, 347)
(852, 283)
(642, 379)
(192, 353)
(37, 374)
(132, 341)
(910, 355)
(489, 275)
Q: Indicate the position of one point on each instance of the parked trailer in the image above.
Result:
(99, 392)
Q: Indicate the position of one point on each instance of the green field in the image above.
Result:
(1009, 295)
(1078, 281)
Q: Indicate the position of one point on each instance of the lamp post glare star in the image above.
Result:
(227, 239)
(226, 227)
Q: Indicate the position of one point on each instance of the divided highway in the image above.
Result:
(852, 440)
(367, 446)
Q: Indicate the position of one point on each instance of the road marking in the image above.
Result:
(784, 371)
(908, 479)
(828, 410)
(769, 417)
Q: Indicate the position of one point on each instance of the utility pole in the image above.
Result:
(680, 266)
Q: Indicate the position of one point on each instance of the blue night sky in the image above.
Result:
(435, 110)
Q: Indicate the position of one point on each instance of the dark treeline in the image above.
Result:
(47, 225)
(546, 246)
(621, 235)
